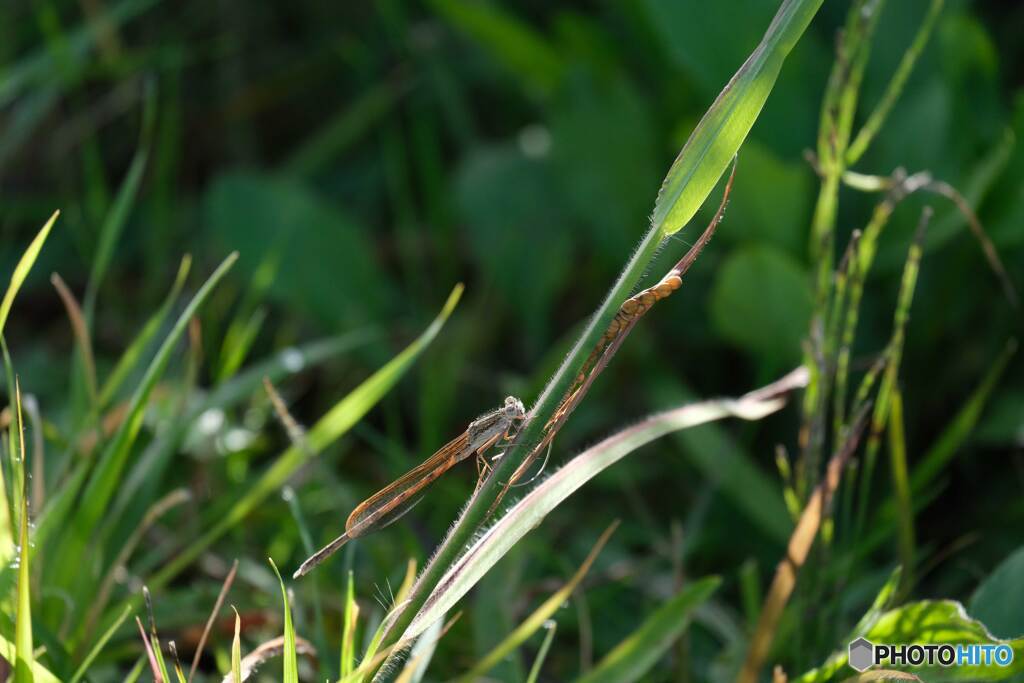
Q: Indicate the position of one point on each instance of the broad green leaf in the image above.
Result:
(761, 301)
(290, 656)
(40, 674)
(718, 136)
(631, 659)
(259, 212)
(925, 622)
(338, 420)
(530, 511)
(999, 601)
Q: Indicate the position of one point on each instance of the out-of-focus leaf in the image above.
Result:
(634, 656)
(755, 213)
(510, 208)
(609, 185)
(999, 601)
(327, 265)
(510, 42)
(762, 302)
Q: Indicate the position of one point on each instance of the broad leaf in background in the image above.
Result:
(327, 268)
(999, 600)
(762, 302)
(508, 204)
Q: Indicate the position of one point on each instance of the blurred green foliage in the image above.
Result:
(365, 157)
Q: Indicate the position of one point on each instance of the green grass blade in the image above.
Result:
(291, 663)
(542, 653)
(100, 644)
(537, 619)
(25, 657)
(528, 513)
(955, 435)
(637, 654)
(348, 629)
(130, 358)
(338, 420)
(106, 475)
(113, 224)
(21, 271)
(899, 78)
(718, 136)
(901, 487)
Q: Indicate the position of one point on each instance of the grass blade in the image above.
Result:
(634, 656)
(291, 663)
(718, 136)
(24, 653)
(117, 216)
(542, 653)
(236, 649)
(348, 633)
(23, 268)
(130, 358)
(539, 616)
(899, 78)
(99, 645)
(225, 587)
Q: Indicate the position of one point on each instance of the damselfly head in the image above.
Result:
(514, 409)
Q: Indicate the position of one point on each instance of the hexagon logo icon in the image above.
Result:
(862, 654)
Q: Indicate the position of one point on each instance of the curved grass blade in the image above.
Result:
(634, 656)
(338, 420)
(21, 270)
(117, 216)
(531, 510)
(542, 653)
(539, 617)
(291, 662)
(99, 645)
(130, 358)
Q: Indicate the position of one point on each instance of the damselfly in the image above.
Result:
(496, 428)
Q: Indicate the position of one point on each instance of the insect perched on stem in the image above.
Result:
(496, 428)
